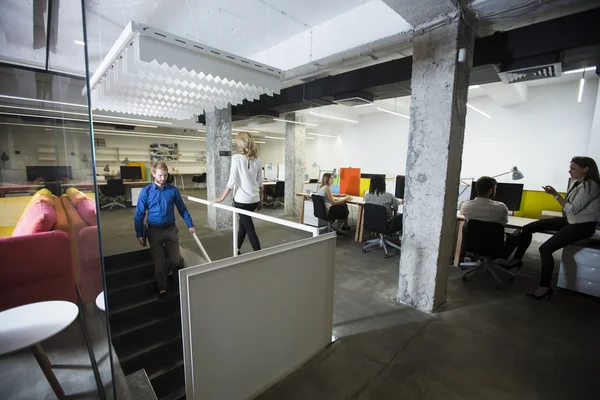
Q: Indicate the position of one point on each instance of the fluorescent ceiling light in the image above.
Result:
(310, 138)
(579, 71)
(201, 130)
(243, 130)
(294, 122)
(581, 84)
(147, 134)
(274, 137)
(259, 142)
(479, 111)
(42, 101)
(322, 135)
(44, 126)
(79, 42)
(76, 113)
(363, 105)
(332, 117)
(474, 87)
(393, 112)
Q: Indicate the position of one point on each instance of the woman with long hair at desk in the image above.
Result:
(581, 212)
(337, 208)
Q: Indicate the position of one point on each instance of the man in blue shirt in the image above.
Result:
(159, 199)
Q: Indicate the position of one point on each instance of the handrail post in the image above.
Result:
(235, 236)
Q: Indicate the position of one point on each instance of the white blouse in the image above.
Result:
(245, 179)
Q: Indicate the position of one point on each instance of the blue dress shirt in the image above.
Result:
(160, 202)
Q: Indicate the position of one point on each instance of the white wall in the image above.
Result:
(594, 143)
(539, 136)
(70, 146)
(142, 143)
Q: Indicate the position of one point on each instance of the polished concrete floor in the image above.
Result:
(484, 344)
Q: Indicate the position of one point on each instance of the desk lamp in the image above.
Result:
(516, 175)
(106, 169)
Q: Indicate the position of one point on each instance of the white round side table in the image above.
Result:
(26, 326)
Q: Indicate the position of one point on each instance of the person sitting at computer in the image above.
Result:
(484, 208)
(337, 208)
(378, 195)
(581, 212)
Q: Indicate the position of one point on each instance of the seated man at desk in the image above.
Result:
(483, 208)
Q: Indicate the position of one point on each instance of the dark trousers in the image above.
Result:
(247, 226)
(339, 211)
(163, 239)
(566, 235)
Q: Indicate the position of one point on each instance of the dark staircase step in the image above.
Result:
(124, 275)
(147, 309)
(169, 382)
(143, 335)
(138, 291)
(154, 357)
(117, 261)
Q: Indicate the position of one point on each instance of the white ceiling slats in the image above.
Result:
(154, 73)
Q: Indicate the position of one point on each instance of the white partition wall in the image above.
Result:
(249, 321)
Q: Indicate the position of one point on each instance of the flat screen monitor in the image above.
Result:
(400, 181)
(131, 173)
(508, 193)
(55, 173)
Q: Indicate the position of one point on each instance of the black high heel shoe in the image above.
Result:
(548, 293)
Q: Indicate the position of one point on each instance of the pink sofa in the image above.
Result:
(38, 266)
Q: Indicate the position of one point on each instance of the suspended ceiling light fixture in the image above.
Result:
(581, 85)
(243, 130)
(155, 73)
(395, 110)
(260, 142)
(76, 113)
(71, 119)
(577, 71)
(479, 111)
(3, 96)
(320, 114)
(294, 122)
(274, 137)
(322, 135)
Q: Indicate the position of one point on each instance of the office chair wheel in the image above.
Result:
(500, 286)
(364, 251)
(464, 278)
(511, 279)
(386, 256)
(560, 289)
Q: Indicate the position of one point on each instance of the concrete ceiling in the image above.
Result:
(419, 12)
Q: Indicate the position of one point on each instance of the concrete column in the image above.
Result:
(218, 165)
(438, 110)
(295, 165)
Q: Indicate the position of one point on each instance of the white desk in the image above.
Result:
(513, 222)
(28, 325)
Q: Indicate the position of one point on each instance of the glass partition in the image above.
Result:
(53, 324)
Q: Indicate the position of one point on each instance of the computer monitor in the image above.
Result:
(508, 193)
(400, 181)
(54, 173)
(133, 173)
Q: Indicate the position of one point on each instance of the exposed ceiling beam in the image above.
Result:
(392, 78)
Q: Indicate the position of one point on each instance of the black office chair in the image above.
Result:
(320, 212)
(313, 181)
(199, 181)
(278, 194)
(114, 189)
(170, 179)
(376, 220)
(484, 242)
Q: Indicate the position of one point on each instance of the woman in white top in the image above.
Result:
(337, 208)
(246, 180)
(581, 212)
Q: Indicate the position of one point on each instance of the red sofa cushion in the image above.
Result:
(39, 217)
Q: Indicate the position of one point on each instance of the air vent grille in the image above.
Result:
(531, 73)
